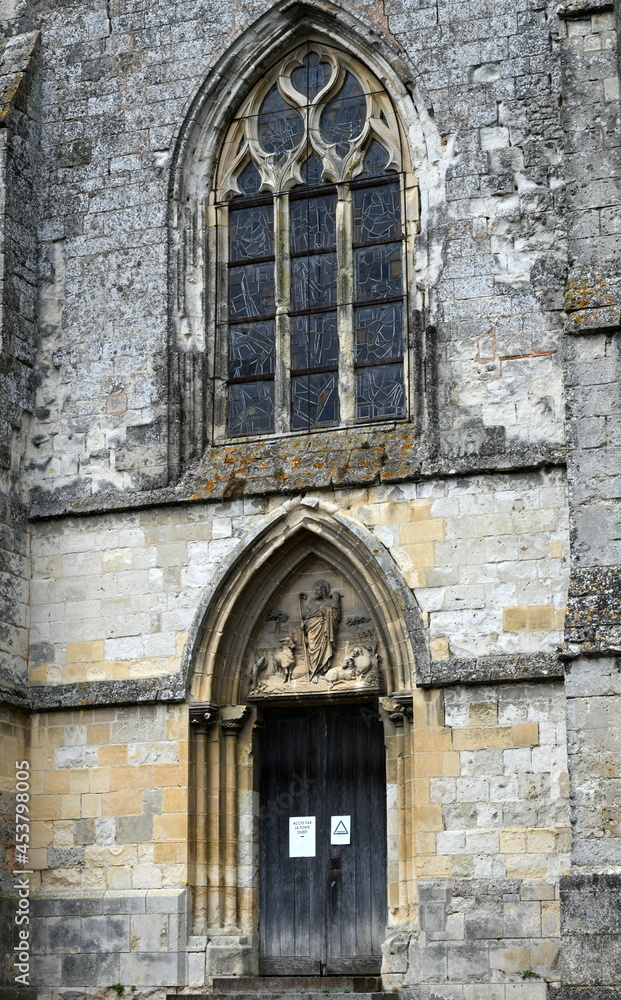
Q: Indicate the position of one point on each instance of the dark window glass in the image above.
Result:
(312, 76)
(377, 271)
(249, 181)
(315, 400)
(376, 158)
(251, 290)
(313, 281)
(314, 341)
(379, 332)
(251, 349)
(251, 232)
(251, 408)
(377, 213)
(281, 127)
(312, 171)
(312, 223)
(380, 393)
(343, 119)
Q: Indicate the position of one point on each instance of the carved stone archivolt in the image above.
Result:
(316, 637)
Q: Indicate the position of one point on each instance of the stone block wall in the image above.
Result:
(491, 816)
(115, 595)
(111, 806)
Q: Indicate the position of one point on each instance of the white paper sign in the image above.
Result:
(301, 836)
(340, 830)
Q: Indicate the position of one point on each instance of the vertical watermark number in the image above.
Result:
(21, 873)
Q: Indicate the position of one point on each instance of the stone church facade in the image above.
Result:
(310, 494)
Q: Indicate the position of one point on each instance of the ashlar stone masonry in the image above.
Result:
(470, 542)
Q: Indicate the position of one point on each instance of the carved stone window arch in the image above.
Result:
(311, 216)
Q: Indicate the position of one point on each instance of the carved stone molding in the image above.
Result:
(202, 717)
(399, 707)
(232, 719)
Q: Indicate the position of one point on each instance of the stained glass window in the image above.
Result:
(311, 194)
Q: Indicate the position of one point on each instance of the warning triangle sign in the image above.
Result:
(341, 828)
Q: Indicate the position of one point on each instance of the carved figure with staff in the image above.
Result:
(320, 621)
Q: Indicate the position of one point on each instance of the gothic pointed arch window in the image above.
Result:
(313, 205)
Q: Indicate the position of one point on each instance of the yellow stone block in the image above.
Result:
(483, 713)
(526, 734)
(415, 578)
(438, 867)
(451, 764)
(439, 648)
(420, 509)
(468, 738)
(423, 531)
(563, 840)
(98, 733)
(425, 843)
(556, 549)
(113, 755)
(540, 841)
(512, 841)
(122, 778)
(85, 652)
(40, 835)
(164, 854)
(55, 781)
(175, 800)
(528, 617)
(420, 790)
(92, 806)
(170, 827)
(121, 803)
(166, 775)
(498, 736)
(422, 555)
(46, 807)
(432, 739)
(428, 709)
(396, 512)
(79, 780)
(427, 817)
(70, 806)
(429, 764)
(99, 779)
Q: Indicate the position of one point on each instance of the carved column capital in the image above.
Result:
(202, 716)
(399, 707)
(232, 719)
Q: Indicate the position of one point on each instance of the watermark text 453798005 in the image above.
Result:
(22, 873)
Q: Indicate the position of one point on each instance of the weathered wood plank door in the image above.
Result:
(324, 914)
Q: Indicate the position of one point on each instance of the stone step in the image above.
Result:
(297, 995)
(297, 984)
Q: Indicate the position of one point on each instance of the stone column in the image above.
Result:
(231, 721)
(201, 718)
(398, 770)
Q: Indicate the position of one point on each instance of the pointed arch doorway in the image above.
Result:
(322, 840)
(302, 695)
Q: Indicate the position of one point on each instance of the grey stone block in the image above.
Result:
(144, 969)
(105, 933)
(134, 829)
(64, 935)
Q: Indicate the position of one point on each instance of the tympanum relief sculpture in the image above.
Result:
(316, 637)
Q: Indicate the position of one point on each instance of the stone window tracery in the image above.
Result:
(310, 207)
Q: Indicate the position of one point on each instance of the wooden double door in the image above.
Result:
(324, 914)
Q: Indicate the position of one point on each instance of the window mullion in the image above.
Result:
(282, 279)
(221, 360)
(345, 309)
